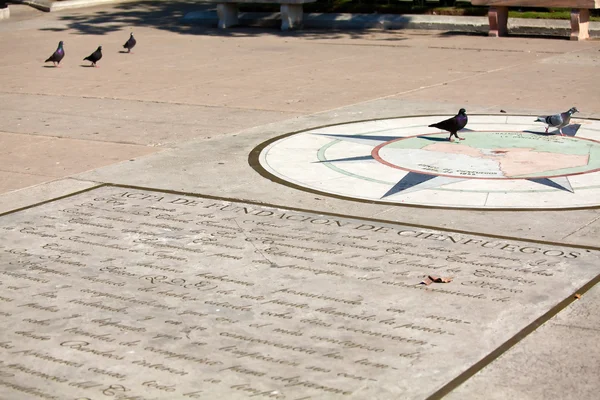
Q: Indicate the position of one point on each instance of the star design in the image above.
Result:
(414, 181)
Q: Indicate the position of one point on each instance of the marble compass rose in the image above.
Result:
(506, 162)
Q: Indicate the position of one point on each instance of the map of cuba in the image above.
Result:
(493, 155)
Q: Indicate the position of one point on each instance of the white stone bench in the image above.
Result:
(291, 12)
(580, 14)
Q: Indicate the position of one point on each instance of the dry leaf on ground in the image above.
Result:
(431, 279)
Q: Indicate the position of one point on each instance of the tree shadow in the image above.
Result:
(510, 35)
(159, 14)
(462, 33)
(169, 16)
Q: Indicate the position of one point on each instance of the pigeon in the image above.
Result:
(454, 124)
(558, 120)
(57, 55)
(95, 56)
(130, 43)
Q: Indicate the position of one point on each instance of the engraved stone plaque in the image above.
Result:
(120, 293)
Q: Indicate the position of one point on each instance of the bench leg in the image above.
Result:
(291, 16)
(580, 21)
(498, 18)
(228, 15)
(4, 11)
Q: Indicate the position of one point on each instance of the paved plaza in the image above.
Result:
(247, 213)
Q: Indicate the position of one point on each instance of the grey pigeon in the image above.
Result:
(130, 43)
(57, 55)
(558, 120)
(454, 124)
(95, 56)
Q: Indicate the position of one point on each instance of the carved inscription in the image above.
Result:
(129, 294)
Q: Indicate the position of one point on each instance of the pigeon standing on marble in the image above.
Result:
(454, 124)
(130, 43)
(58, 55)
(558, 120)
(95, 56)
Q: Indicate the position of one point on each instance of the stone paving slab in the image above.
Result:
(10, 181)
(16, 199)
(144, 290)
(123, 121)
(56, 158)
(563, 354)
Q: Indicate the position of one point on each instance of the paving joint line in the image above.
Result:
(514, 340)
(582, 227)
(28, 173)
(148, 101)
(70, 138)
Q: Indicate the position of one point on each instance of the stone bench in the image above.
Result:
(580, 14)
(291, 12)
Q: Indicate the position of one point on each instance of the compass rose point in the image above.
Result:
(360, 139)
(359, 158)
(560, 182)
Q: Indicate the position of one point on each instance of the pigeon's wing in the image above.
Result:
(59, 55)
(56, 56)
(551, 120)
(566, 117)
(449, 124)
(441, 123)
(554, 120)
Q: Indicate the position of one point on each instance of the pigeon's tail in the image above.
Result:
(87, 58)
(541, 119)
(49, 59)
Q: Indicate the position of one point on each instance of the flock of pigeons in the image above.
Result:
(59, 54)
(459, 121)
(452, 125)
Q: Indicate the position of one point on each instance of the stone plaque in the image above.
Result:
(122, 294)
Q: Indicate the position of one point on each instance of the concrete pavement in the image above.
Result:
(183, 112)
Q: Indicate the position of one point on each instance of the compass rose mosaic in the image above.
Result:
(505, 162)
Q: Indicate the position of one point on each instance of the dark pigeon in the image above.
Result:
(558, 120)
(58, 55)
(454, 124)
(95, 56)
(130, 43)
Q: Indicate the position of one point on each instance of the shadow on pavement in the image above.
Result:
(514, 35)
(168, 16)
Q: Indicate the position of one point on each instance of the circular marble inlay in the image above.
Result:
(505, 162)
